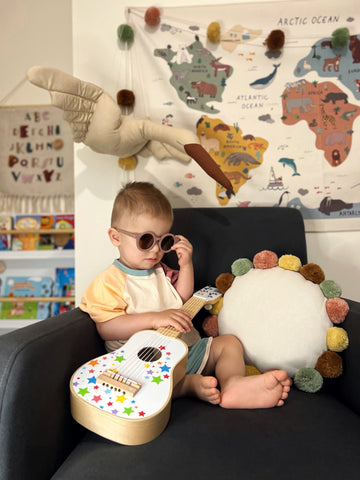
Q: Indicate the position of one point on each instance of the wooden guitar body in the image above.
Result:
(125, 395)
(113, 412)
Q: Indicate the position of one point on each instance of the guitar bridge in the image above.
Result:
(112, 379)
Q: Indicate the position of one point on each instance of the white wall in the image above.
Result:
(39, 32)
(32, 32)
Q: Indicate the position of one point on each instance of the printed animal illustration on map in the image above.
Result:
(265, 81)
(198, 77)
(326, 61)
(235, 153)
(328, 113)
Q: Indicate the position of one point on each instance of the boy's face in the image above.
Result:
(130, 255)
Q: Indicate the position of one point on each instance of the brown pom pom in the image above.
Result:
(152, 16)
(312, 272)
(210, 326)
(224, 282)
(337, 309)
(329, 365)
(265, 259)
(125, 98)
(275, 40)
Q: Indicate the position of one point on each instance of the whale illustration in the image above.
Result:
(290, 163)
(265, 81)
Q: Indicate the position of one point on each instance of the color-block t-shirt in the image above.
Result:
(119, 290)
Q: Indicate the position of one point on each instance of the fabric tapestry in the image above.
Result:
(36, 160)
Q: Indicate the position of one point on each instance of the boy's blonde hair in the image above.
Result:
(140, 198)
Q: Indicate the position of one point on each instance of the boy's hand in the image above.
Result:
(184, 250)
(179, 319)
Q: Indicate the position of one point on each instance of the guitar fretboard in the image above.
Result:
(192, 306)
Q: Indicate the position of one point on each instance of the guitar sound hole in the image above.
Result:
(149, 354)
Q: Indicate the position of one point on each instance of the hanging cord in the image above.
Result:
(14, 90)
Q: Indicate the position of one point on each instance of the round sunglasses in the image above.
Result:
(145, 241)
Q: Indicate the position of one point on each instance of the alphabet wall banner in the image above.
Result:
(36, 160)
(282, 124)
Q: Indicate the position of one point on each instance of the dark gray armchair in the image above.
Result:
(314, 436)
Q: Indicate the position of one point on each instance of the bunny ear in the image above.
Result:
(201, 156)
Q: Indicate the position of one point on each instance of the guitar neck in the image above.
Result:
(192, 307)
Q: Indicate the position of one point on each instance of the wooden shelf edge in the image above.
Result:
(42, 231)
(37, 299)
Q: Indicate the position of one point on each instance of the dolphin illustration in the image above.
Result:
(290, 163)
(264, 82)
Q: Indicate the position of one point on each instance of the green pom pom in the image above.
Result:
(125, 33)
(308, 380)
(330, 289)
(340, 37)
(241, 266)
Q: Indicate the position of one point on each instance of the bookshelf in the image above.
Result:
(33, 263)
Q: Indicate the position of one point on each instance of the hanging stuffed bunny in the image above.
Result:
(96, 120)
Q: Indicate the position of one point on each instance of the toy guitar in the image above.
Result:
(125, 395)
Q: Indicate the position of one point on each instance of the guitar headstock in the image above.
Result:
(209, 294)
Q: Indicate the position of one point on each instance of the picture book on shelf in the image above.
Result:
(18, 289)
(42, 240)
(63, 240)
(5, 224)
(23, 240)
(64, 287)
(46, 240)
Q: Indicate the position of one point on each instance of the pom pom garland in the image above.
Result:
(337, 309)
(265, 259)
(308, 380)
(330, 289)
(241, 266)
(125, 98)
(329, 365)
(313, 273)
(215, 309)
(127, 163)
(224, 282)
(152, 17)
(337, 339)
(210, 326)
(275, 40)
(340, 37)
(213, 32)
(290, 262)
(125, 33)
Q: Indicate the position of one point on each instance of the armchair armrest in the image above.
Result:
(347, 386)
(36, 428)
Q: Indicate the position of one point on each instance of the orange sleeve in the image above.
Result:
(103, 298)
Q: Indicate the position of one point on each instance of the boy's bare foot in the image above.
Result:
(259, 391)
(204, 388)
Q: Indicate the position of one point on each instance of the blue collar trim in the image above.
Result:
(132, 271)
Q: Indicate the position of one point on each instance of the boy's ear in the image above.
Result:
(114, 237)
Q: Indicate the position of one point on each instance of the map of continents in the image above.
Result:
(328, 113)
(235, 154)
(198, 77)
(325, 107)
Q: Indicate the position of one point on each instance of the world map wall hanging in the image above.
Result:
(282, 125)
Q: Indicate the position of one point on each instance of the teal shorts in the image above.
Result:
(198, 356)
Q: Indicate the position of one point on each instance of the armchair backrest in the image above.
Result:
(221, 235)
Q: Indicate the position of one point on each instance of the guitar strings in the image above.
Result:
(133, 370)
